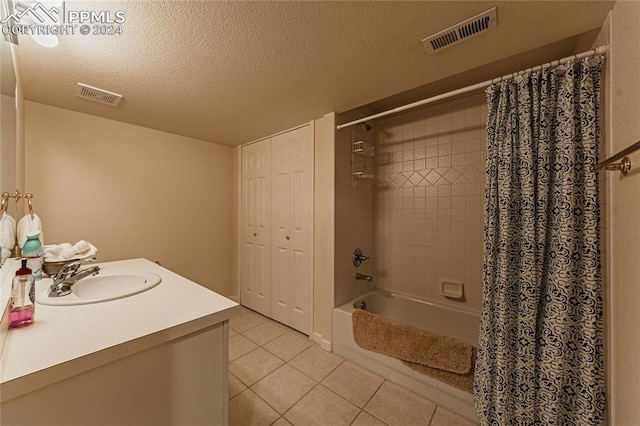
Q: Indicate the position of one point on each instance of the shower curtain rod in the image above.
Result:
(597, 51)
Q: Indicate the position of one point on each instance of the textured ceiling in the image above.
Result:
(231, 72)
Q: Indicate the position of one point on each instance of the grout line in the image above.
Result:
(268, 405)
(245, 354)
(272, 407)
(357, 415)
(294, 356)
(259, 347)
(370, 398)
(316, 383)
(245, 386)
(240, 393)
(262, 344)
(344, 399)
(301, 398)
(374, 393)
(299, 370)
(281, 417)
(433, 415)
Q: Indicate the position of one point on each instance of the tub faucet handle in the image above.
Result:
(359, 257)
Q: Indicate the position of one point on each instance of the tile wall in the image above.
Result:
(428, 199)
(354, 209)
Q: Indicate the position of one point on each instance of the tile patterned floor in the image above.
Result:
(277, 376)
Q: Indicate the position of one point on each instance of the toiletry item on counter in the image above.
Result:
(32, 250)
(23, 298)
(62, 252)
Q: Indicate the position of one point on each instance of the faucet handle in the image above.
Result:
(68, 269)
(358, 257)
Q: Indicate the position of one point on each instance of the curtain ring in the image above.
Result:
(29, 196)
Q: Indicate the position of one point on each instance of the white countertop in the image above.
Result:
(67, 340)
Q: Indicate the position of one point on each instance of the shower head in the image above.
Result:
(366, 126)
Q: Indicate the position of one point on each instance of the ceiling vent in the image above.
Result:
(458, 33)
(98, 95)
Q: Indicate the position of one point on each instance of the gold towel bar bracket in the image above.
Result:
(16, 195)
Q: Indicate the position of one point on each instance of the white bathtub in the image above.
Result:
(461, 324)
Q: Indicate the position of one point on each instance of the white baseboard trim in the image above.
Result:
(324, 344)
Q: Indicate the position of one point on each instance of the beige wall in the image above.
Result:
(626, 216)
(132, 192)
(429, 197)
(323, 229)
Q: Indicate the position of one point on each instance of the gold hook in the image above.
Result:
(29, 196)
(5, 203)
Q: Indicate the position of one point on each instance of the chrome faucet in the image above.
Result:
(359, 276)
(68, 275)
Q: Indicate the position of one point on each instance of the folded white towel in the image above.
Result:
(55, 250)
(28, 226)
(7, 236)
(62, 252)
(80, 248)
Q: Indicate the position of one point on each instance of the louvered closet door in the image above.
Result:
(256, 227)
(292, 228)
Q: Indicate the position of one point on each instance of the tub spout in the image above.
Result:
(359, 276)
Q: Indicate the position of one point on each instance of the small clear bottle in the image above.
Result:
(23, 298)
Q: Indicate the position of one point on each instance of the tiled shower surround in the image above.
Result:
(428, 196)
(354, 221)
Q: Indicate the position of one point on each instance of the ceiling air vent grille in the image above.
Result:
(458, 33)
(97, 95)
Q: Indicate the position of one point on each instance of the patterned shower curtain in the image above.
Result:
(540, 357)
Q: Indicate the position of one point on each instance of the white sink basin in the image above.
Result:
(103, 287)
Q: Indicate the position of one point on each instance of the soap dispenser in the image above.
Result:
(23, 298)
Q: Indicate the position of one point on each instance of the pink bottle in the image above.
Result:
(23, 298)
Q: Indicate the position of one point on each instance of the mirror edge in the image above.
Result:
(11, 265)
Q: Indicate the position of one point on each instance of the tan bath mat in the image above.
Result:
(376, 333)
(463, 382)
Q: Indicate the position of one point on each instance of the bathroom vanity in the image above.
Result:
(158, 357)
